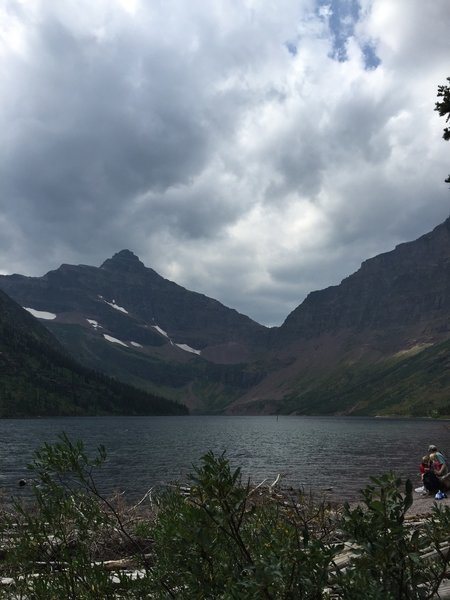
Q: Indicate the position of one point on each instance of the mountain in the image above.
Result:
(348, 348)
(377, 343)
(37, 378)
(125, 320)
(407, 288)
(414, 383)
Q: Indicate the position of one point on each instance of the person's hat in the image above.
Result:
(432, 448)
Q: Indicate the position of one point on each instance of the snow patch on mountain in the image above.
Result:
(116, 306)
(114, 340)
(94, 323)
(187, 348)
(161, 331)
(41, 314)
(184, 347)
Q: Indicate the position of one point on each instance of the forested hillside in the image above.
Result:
(38, 379)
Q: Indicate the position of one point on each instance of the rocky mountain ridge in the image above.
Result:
(396, 306)
(396, 288)
(126, 320)
(153, 307)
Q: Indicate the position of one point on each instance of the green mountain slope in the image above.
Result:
(406, 384)
(38, 379)
(161, 374)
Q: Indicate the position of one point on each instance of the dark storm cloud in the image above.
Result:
(243, 150)
(99, 120)
(83, 135)
(187, 214)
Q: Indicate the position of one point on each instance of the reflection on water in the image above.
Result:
(317, 452)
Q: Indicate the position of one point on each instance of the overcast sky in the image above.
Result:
(250, 150)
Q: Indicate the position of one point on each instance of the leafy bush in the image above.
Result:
(222, 543)
(52, 546)
(219, 539)
(389, 561)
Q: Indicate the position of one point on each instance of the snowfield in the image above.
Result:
(41, 314)
(114, 340)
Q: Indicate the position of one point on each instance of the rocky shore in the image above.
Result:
(422, 505)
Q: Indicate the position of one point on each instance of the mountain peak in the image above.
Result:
(125, 255)
(125, 260)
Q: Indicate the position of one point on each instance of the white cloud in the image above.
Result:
(221, 142)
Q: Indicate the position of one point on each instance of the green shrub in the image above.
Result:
(219, 539)
(53, 544)
(390, 562)
(220, 542)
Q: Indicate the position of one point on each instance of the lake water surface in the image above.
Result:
(322, 452)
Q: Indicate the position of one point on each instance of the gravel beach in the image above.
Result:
(423, 504)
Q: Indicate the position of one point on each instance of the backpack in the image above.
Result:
(431, 483)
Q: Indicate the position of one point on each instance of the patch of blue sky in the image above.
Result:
(292, 48)
(371, 59)
(342, 16)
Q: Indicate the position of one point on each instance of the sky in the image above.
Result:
(253, 151)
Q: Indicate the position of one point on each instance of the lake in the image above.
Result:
(323, 452)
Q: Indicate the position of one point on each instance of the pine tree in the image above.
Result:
(443, 108)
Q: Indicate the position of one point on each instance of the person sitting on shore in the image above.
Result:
(425, 465)
(436, 477)
(439, 457)
(431, 482)
(441, 471)
(440, 468)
